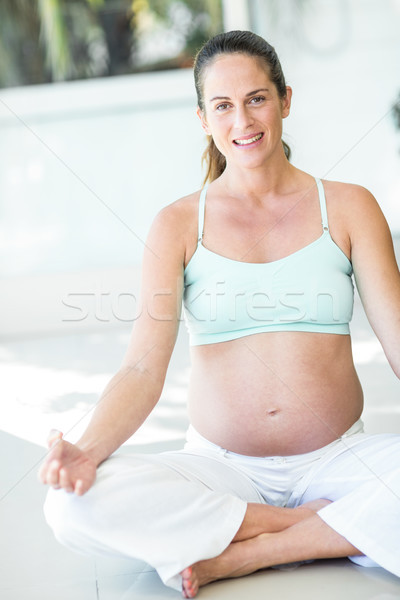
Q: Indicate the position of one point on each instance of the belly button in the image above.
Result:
(272, 412)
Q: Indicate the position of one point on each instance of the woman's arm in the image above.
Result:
(376, 271)
(133, 392)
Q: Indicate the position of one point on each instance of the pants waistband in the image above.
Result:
(195, 439)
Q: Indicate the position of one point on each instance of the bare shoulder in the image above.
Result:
(175, 225)
(348, 195)
(179, 215)
(353, 206)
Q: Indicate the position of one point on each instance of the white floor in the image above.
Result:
(54, 382)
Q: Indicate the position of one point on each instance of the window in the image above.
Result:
(57, 40)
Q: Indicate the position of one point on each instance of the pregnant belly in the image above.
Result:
(274, 431)
(263, 409)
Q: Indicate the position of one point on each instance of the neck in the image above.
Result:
(260, 181)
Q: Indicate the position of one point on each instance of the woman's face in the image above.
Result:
(243, 111)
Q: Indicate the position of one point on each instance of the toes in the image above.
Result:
(189, 592)
(189, 586)
(187, 573)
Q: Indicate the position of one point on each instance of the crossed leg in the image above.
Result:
(286, 537)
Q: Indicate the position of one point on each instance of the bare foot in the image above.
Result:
(239, 559)
(190, 584)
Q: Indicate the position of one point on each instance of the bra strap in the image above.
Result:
(322, 203)
(202, 207)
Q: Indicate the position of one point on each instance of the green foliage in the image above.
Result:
(396, 112)
(21, 58)
(56, 40)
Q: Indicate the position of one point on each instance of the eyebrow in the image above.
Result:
(247, 95)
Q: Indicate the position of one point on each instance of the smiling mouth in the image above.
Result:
(251, 140)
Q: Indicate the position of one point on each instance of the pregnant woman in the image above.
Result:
(276, 467)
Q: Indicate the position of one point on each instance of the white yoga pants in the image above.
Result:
(176, 508)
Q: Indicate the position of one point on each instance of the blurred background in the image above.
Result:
(99, 132)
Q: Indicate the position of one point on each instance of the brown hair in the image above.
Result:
(243, 42)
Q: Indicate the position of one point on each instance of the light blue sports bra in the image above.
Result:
(310, 290)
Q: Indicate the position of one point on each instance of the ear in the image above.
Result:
(286, 102)
(203, 121)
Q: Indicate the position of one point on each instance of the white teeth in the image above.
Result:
(249, 141)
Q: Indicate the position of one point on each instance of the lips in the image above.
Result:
(248, 140)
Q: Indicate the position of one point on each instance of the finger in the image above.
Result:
(80, 487)
(44, 472)
(50, 465)
(53, 473)
(41, 474)
(64, 480)
(53, 437)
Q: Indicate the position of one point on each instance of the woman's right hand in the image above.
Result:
(67, 467)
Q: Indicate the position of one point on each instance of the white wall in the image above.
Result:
(84, 168)
(342, 59)
(86, 165)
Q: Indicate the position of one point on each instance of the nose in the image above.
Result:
(243, 118)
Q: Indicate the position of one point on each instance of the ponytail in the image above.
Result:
(214, 160)
(287, 150)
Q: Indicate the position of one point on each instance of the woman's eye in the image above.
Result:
(257, 99)
(223, 106)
